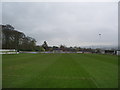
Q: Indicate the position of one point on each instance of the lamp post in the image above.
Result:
(100, 40)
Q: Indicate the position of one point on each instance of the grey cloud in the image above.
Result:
(64, 23)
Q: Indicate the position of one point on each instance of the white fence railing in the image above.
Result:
(8, 51)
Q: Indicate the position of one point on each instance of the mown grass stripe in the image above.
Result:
(60, 71)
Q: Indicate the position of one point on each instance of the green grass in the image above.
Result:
(60, 71)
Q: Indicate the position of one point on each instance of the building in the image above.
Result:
(118, 52)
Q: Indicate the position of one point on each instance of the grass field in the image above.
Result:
(60, 71)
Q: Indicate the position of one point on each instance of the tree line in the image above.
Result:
(13, 39)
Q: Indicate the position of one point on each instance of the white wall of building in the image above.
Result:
(118, 52)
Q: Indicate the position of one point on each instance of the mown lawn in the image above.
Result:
(60, 71)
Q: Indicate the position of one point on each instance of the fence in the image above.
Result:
(8, 51)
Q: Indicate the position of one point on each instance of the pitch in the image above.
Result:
(59, 71)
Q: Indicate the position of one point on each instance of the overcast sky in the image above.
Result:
(71, 24)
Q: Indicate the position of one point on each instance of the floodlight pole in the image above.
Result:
(100, 40)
